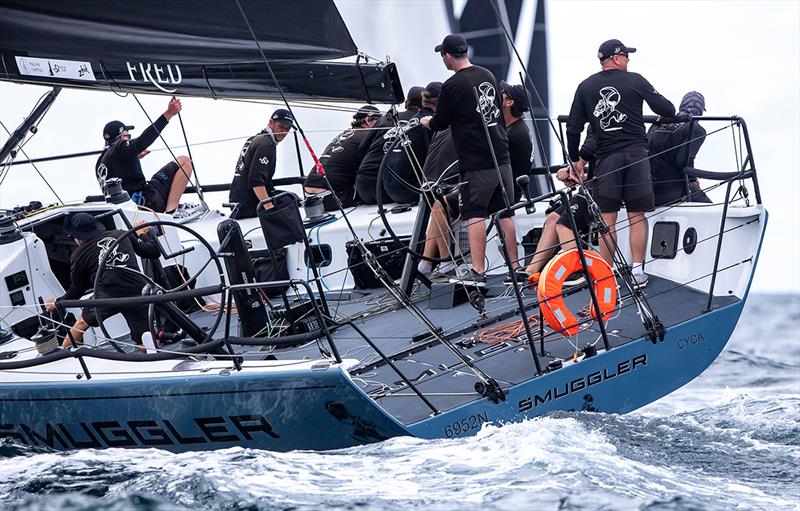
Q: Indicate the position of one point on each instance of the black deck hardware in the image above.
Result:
(491, 390)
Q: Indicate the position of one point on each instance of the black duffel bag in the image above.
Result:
(388, 252)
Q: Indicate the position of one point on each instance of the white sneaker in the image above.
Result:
(188, 212)
(639, 279)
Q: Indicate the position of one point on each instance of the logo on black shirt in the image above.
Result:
(486, 106)
(116, 258)
(606, 109)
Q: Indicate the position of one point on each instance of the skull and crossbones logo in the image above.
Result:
(486, 106)
(606, 109)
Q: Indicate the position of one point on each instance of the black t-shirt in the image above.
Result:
(115, 282)
(121, 159)
(256, 167)
(457, 108)
(669, 146)
(520, 149)
(441, 157)
(341, 158)
(375, 146)
(398, 159)
(611, 101)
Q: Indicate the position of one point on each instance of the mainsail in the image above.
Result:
(190, 48)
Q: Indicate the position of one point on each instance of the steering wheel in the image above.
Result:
(153, 288)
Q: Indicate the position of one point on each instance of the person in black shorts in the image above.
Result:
(120, 278)
(255, 168)
(520, 149)
(611, 101)
(671, 147)
(120, 159)
(482, 192)
(341, 159)
(557, 230)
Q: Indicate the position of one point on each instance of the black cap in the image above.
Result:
(366, 112)
(113, 129)
(283, 116)
(517, 93)
(433, 89)
(83, 226)
(415, 93)
(613, 47)
(453, 44)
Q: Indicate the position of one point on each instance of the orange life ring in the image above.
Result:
(551, 284)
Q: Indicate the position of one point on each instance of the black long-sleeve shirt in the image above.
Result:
(669, 146)
(121, 159)
(85, 261)
(458, 108)
(611, 101)
(375, 144)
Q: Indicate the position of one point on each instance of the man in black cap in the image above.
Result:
(403, 165)
(252, 179)
(120, 278)
(378, 141)
(611, 101)
(520, 149)
(341, 159)
(120, 159)
(469, 117)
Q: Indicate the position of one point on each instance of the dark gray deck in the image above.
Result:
(439, 374)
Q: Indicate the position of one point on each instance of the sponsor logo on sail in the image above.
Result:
(165, 77)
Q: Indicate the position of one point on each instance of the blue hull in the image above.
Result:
(324, 410)
(283, 411)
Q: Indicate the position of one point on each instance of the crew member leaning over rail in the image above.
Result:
(252, 179)
(611, 101)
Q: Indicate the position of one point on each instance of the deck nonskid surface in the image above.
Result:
(506, 357)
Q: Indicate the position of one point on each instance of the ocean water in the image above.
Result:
(728, 440)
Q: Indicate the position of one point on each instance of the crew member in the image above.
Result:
(252, 180)
(120, 159)
(520, 148)
(378, 141)
(403, 164)
(441, 165)
(671, 147)
(470, 117)
(611, 101)
(120, 278)
(341, 160)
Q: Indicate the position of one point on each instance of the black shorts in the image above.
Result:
(156, 191)
(624, 176)
(135, 317)
(579, 205)
(481, 194)
(347, 193)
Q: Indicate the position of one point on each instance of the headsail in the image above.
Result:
(189, 48)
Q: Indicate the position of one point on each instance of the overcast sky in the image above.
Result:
(743, 56)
